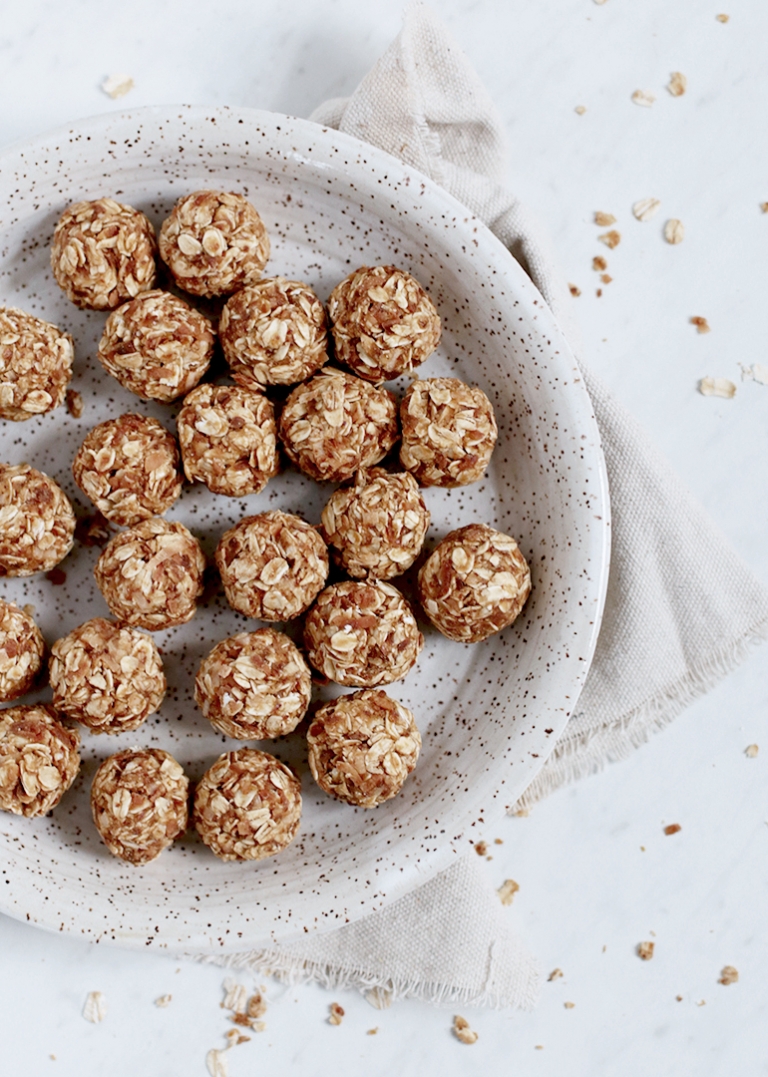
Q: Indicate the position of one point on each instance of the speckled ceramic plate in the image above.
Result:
(489, 713)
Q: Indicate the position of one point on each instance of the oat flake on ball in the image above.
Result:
(39, 759)
(35, 365)
(37, 521)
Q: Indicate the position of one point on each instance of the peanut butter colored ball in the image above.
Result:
(37, 522)
(21, 651)
(39, 759)
(35, 365)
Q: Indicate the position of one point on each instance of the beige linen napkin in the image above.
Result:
(681, 612)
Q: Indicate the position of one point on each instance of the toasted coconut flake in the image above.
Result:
(722, 387)
(95, 1008)
(507, 892)
(677, 84)
(646, 208)
(643, 97)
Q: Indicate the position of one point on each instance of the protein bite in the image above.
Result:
(108, 677)
(272, 565)
(362, 747)
(35, 365)
(157, 346)
(214, 242)
(103, 254)
(247, 805)
(474, 583)
(383, 322)
(139, 802)
(37, 521)
(21, 651)
(152, 574)
(39, 759)
(254, 685)
(335, 424)
(449, 431)
(273, 333)
(228, 439)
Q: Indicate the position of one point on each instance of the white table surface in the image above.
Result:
(596, 872)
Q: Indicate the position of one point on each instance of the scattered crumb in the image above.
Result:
(606, 278)
(722, 387)
(678, 998)
(372, 1031)
(646, 208)
(217, 1063)
(52, 1058)
(677, 84)
(235, 1038)
(574, 289)
(462, 1031)
(555, 974)
(481, 848)
(605, 947)
(74, 403)
(642, 848)
(580, 110)
(702, 325)
(643, 97)
(599, 263)
(751, 751)
(610, 239)
(498, 841)
(604, 220)
(702, 1003)
(600, 1)
(507, 891)
(599, 292)
(673, 828)
(764, 207)
(337, 1013)
(252, 1012)
(57, 576)
(645, 950)
(117, 85)
(539, 1047)
(569, 1005)
(722, 18)
(95, 1008)
(379, 997)
(163, 1001)
(521, 813)
(674, 232)
(728, 975)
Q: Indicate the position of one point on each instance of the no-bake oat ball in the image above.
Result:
(39, 759)
(228, 439)
(214, 243)
(474, 583)
(139, 803)
(21, 651)
(272, 565)
(107, 676)
(247, 805)
(254, 685)
(35, 365)
(335, 424)
(37, 522)
(273, 333)
(362, 747)
(157, 346)
(103, 254)
(152, 574)
(383, 322)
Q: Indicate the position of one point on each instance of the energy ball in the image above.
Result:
(254, 685)
(362, 634)
(129, 468)
(39, 759)
(107, 676)
(152, 574)
(103, 253)
(383, 322)
(228, 439)
(272, 566)
(449, 431)
(214, 243)
(273, 333)
(376, 528)
(37, 522)
(474, 583)
(335, 424)
(247, 805)
(362, 747)
(139, 802)
(35, 365)
(21, 651)
(157, 346)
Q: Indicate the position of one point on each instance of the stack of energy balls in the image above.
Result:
(336, 424)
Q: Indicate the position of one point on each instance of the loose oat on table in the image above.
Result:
(217, 1063)
(21, 651)
(507, 892)
(751, 751)
(152, 574)
(37, 521)
(95, 1007)
(115, 86)
(646, 208)
(335, 424)
(580, 110)
(599, 263)
(214, 243)
(677, 84)
(157, 346)
(254, 685)
(555, 974)
(35, 365)
(610, 239)
(702, 325)
(728, 975)
(674, 232)
(103, 254)
(645, 950)
(336, 1014)
(604, 220)
(107, 676)
(139, 803)
(247, 805)
(228, 439)
(722, 18)
(39, 759)
(163, 1001)
(475, 583)
(462, 1031)
(362, 747)
(569, 1005)
(643, 97)
(722, 387)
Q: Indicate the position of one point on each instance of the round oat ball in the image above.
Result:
(247, 805)
(214, 242)
(272, 566)
(228, 439)
(129, 468)
(362, 634)
(335, 424)
(376, 528)
(39, 759)
(103, 253)
(383, 322)
(35, 365)
(37, 521)
(157, 346)
(254, 685)
(21, 651)
(139, 803)
(449, 431)
(474, 583)
(362, 747)
(273, 333)
(107, 676)
(152, 574)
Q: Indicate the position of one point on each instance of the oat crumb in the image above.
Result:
(722, 18)
(702, 325)
(728, 975)
(674, 232)
(751, 751)
(507, 891)
(555, 974)
(677, 84)
(678, 998)
(95, 1008)
(163, 1001)
(372, 1031)
(336, 1015)
(115, 86)
(673, 828)
(645, 950)
(539, 1047)
(610, 239)
(606, 278)
(599, 263)
(643, 97)
(462, 1031)
(481, 848)
(235, 1038)
(722, 387)
(574, 289)
(498, 841)
(580, 110)
(702, 1003)
(569, 1005)
(604, 220)
(764, 207)
(74, 403)
(599, 292)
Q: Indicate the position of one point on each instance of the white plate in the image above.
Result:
(489, 713)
